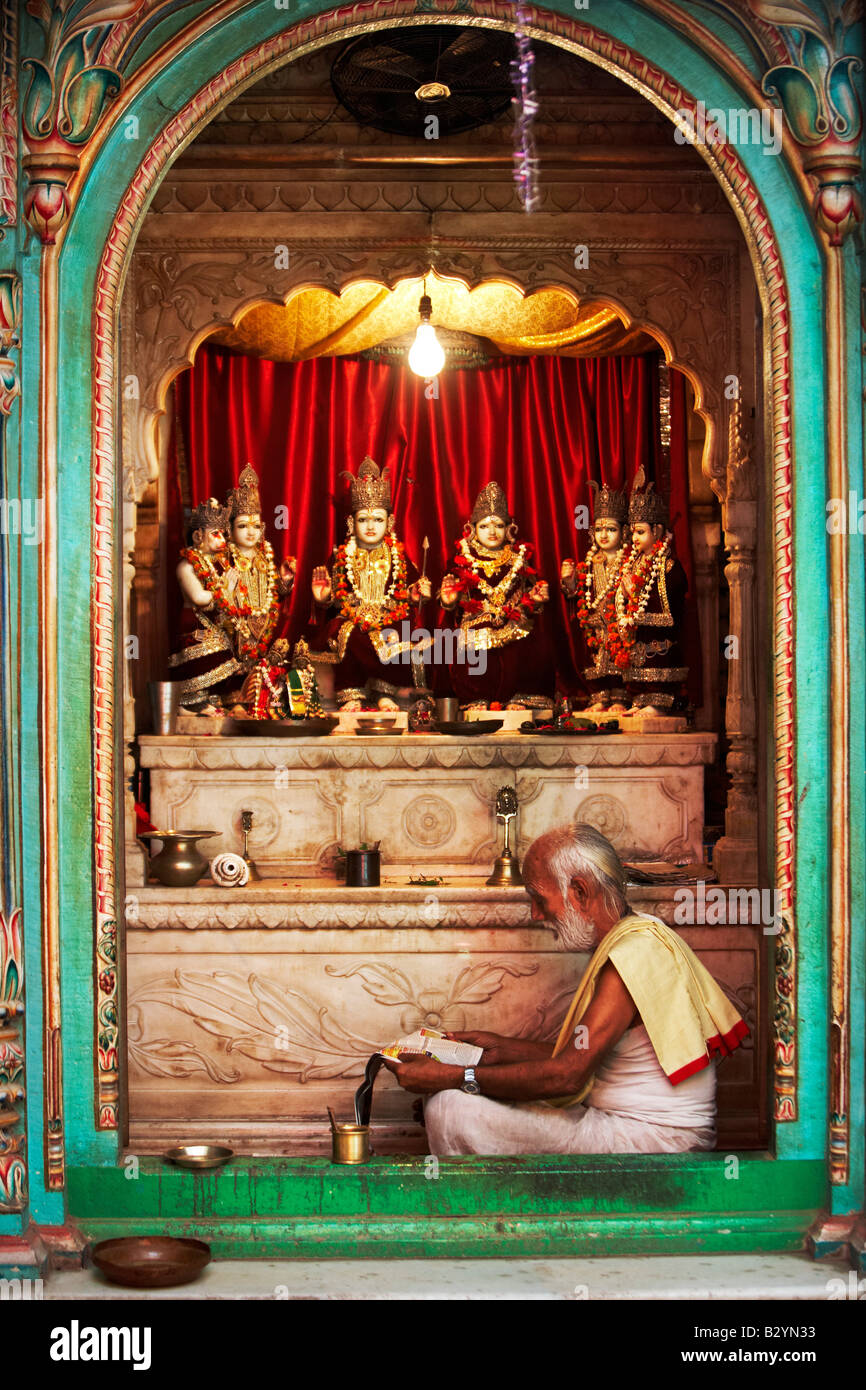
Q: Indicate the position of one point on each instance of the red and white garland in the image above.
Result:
(212, 580)
(603, 607)
(395, 600)
(472, 580)
(644, 571)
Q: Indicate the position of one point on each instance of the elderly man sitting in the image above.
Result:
(633, 1068)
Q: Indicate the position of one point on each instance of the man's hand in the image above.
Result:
(423, 1075)
(499, 1050)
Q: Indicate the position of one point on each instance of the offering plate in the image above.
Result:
(199, 1157)
(510, 719)
(469, 727)
(283, 728)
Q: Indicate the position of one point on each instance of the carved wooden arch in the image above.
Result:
(669, 97)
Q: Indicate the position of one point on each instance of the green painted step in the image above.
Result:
(473, 1237)
(548, 1205)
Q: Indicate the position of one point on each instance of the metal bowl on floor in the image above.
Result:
(150, 1262)
(199, 1157)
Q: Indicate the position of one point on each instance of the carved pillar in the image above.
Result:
(135, 858)
(147, 601)
(706, 539)
(13, 1169)
(736, 854)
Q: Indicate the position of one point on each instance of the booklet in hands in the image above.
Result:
(426, 1042)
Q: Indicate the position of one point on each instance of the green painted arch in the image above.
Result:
(117, 164)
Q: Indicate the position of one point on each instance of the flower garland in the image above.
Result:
(603, 604)
(350, 597)
(495, 594)
(204, 568)
(630, 608)
(248, 648)
(606, 633)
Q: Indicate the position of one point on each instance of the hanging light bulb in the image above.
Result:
(426, 355)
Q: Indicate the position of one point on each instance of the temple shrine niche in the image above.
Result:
(535, 532)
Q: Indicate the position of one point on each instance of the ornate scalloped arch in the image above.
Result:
(668, 96)
(702, 362)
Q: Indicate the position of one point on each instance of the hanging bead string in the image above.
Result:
(525, 104)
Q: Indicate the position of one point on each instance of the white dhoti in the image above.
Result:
(632, 1108)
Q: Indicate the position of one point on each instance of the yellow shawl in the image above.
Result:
(687, 1015)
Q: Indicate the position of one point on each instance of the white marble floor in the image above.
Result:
(682, 1278)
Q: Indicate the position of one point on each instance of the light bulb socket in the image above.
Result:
(425, 308)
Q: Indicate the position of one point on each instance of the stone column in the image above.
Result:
(706, 539)
(736, 854)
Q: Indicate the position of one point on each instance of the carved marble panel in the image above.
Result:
(258, 1032)
(643, 811)
(428, 801)
(295, 819)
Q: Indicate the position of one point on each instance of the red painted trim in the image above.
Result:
(724, 1045)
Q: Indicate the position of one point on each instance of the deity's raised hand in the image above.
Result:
(423, 586)
(449, 591)
(567, 575)
(321, 584)
(540, 592)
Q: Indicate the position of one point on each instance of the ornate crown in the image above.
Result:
(209, 516)
(608, 503)
(244, 500)
(371, 488)
(645, 504)
(491, 501)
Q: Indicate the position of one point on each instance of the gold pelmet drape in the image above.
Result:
(318, 323)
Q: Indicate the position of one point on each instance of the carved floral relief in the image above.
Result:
(286, 1031)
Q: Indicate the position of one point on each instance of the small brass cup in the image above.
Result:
(350, 1144)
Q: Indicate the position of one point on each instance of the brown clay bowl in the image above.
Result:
(150, 1262)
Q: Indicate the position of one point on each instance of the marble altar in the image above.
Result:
(427, 797)
(251, 1010)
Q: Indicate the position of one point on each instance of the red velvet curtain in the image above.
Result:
(541, 426)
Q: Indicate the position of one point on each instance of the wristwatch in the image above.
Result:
(470, 1085)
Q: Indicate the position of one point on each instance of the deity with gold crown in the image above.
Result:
(496, 598)
(236, 593)
(650, 606)
(205, 659)
(591, 586)
(364, 595)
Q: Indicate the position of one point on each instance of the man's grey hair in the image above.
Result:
(572, 851)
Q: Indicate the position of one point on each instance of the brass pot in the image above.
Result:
(350, 1144)
(179, 864)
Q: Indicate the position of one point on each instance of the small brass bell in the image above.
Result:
(246, 827)
(506, 869)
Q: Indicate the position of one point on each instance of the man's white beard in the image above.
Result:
(576, 932)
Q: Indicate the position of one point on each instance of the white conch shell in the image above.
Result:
(229, 870)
